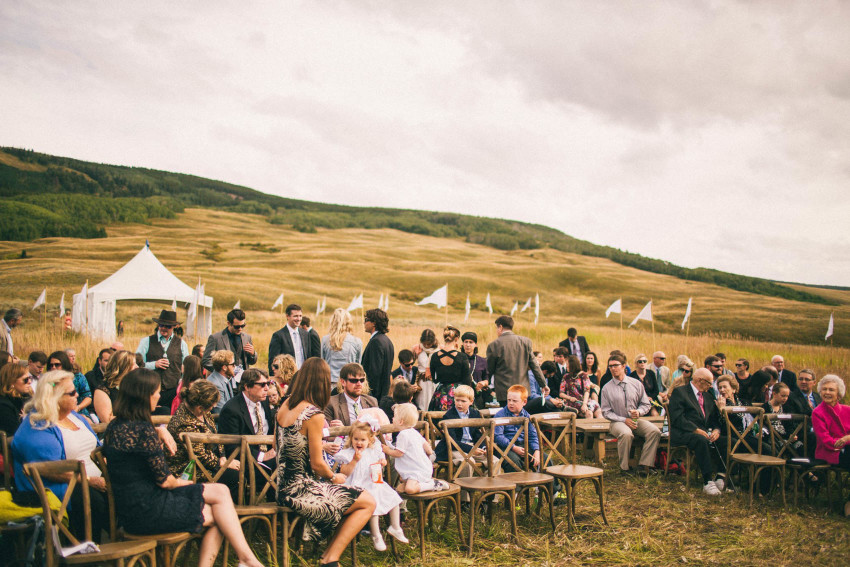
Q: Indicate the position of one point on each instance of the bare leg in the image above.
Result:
(355, 518)
(412, 486)
(222, 514)
(395, 518)
(210, 543)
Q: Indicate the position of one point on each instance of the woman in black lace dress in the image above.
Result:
(449, 369)
(306, 482)
(148, 498)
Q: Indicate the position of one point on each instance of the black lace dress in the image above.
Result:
(137, 465)
(320, 502)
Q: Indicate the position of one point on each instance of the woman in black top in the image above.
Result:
(647, 378)
(15, 390)
(477, 369)
(449, 369)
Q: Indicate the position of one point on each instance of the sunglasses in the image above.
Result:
(641, 362)
(71, 394)
(662, 358)
(717, 366)
(242, 326)
(615, 365)
(55, 365)
(27, 379)
(262, 384)
(356, 380)
(687, 371)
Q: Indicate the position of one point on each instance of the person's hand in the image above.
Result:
(535, 459)
(248, 347)
(558, 402)
(701, 432)
(269, 455)
(715, 435)
(98, 483)
(338, 478)
(234, 464)
(634, 414)
(545, 391)
(479, 452)
(632, 424)
(358, 454)
(336, 423)
(518, 450)
(480, 385)
(417, 388)
(583, 407)
(330, 448)
(167, 440)
(417, 350)
(662, 396)
(721, 402)
(162, 363)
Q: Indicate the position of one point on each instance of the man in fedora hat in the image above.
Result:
(164, 352)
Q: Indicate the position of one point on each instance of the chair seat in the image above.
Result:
(527, 478)
(257, 510)
(574, 471)
(431, 494)
(485, 483)
(753, 459)
(161, 539)
(111, 551)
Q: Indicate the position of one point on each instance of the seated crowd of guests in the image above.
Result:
(49, 407)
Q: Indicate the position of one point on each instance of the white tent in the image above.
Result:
(143, 277)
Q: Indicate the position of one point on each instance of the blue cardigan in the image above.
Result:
(31, 445)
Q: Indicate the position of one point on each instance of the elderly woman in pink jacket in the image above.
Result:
(831, 422)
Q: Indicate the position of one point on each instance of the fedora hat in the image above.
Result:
(167, 317)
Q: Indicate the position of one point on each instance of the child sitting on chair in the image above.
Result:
(517, 396)
(362, 464)
(412, 454)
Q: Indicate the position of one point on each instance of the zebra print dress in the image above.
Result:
(320, 502)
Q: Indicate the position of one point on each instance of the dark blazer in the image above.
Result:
(798, 402)
(789, 378)
(685, 415)
(235, 420)
(378, 357)
(414, 372)
(337, 407)
(651, 384)
(281, 343)
(221, 341)
(315, 342)
(582, 345)
(442, 449)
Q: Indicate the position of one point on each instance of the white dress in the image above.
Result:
(415, 464)
(423, 362)
(385, 497)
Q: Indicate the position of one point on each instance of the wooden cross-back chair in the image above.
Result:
(570, 473)
(486, 486)
(795, 425)
(262, 494)
(689, 455)
(6, 449)
(19, 531)
(435, 435)
(168, 545)
(754, 459)
(553, 432)
(527, 478)
(100, 428)
(125, 553)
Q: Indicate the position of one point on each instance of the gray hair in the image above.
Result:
(839, 383)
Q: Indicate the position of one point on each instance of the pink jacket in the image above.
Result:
(830, 424)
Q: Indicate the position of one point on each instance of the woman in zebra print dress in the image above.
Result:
(306, 482)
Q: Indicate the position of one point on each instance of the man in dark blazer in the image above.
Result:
(804, 399)
(315, 339)
(406, 366)
(293, 340)
(235, 339)
(785, 375)
(576, 344)
(344, 408)
(249, 413)
(379, 354)
(695, 422)
(560, 355)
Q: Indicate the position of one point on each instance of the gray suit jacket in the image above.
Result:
(509, 358)
(337, 407)
(662, 377)
(220, 341)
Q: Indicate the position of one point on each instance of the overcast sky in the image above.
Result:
(711, 134)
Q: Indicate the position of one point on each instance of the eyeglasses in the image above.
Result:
(242, 326)
(614, 365)
(27, 379)
(275, 367)
(641, 362)
(356, 380)
(228, 364)
(55, 365)
(718, 366)
(262, 384)
(738, 364)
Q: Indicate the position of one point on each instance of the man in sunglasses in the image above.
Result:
(236, 340)
(344, 408)
(163, 352)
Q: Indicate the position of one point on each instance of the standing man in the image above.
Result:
(624, 402)
(11, 319)
(576, 344)
(344, 408)
(236, 340)
(560, 355)
(379, 354)
(293, 340)
(509, 358)
(164, 352)
(695, 422)
(223, 377)
(315, 339)
(662, 373)
(95, 375)
(785, 375)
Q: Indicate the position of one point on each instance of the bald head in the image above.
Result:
(659, 358)
(702, 379)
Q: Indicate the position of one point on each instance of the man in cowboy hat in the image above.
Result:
(164, 352)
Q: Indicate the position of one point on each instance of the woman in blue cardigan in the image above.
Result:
(52, 431)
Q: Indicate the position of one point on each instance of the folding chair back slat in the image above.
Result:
(260, 480)
(522, 431)
(201, 473)
(795, 425)
(563, 428)
(5, 447)
(485, 439)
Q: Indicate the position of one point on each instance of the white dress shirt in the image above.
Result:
(296, 346)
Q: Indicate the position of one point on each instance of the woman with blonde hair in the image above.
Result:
(686, 372)
(283, 369)
(120, 364)
(339, 346)
(449, 369)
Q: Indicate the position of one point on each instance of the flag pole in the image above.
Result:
(621, 324)
(447, 304)
(281, 309)
(45, 310)
(86, 309)
(653, 329)
(197, 307)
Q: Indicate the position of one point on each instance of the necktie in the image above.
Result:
(811, 401)
(357, 409)
(259, 429)
(701, 401)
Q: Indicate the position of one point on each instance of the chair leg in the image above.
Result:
(782, 482)
(569, 494)
(473, 506)
(511, 498)
(420, 510)
(601, 490)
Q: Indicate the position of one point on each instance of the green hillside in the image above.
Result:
(65, 197)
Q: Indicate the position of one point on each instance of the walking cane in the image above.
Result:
(728, 476)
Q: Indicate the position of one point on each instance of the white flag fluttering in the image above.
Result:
(645, 314)
(616, 307)
(41, 299)
(488, 305)
(381, 302)
(62, 304)
(238, 304)
(196, 298)
(687, 313)
(324, 305)
(526, 306)
(278, 301)
(174, 304)
(356, 303)
(514, 308)
(439, 297)
(387, 303)
(468, 307)
(830, 328)
(536, 307)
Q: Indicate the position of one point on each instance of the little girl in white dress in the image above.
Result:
(361, 460)
(413, 454)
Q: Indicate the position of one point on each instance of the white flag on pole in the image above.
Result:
(514, 308)
(174, 304)
(645, 314)
(381, 302)
(238, 304)
(387, 303)
(324, 305)
(62, 304)
(41, 299)
(616, 307)
(278, 301)
(439, 297)
(830, 328)
(356, 303)
(687, 313)
(536, 307)
(468, 308)
(526, 306)
(488, 305)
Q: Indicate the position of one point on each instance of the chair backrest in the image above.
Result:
(100, 428)
(489, 412)
(521, 423)
(485, 442)
(560, 448)
(5, 447)
(194, 443)
(433, 418)
(261, 480)
(53, 518)
(737, 438)
(795, 425)
(100, 460)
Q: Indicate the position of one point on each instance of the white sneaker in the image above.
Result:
(711, 489)
(398, 534)
(378, 542)
(720, 482)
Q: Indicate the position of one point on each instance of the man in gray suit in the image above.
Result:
(234, 339)
(509, 358)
